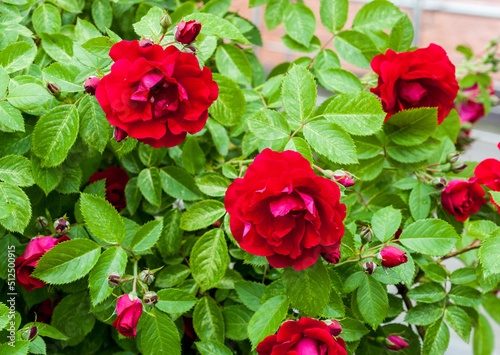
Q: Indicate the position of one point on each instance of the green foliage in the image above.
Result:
(267, 319)
(102, 218)
(158, 334)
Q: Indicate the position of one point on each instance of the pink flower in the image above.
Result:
(128, 311)
(391, 256)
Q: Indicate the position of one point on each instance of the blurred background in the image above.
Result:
(449, 23)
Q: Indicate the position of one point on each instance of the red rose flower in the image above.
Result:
(463, 198)
(281, 210)
(45, 310)
(306, 336)
(488, 174)
(422, 78)
(128, 311)
(471, 110)
(25, 264)
(156, 95)
(395, 342)
(187, 31)
(391, 256)
(116, 180)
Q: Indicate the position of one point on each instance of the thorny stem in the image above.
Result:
(474, 245)
(403, 291)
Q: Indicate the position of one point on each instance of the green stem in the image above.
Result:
(134, 286)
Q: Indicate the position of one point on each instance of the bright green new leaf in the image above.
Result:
(385, 222)
(489, 253)
(111, 261)
(46, 18)
(11, 119)
(17, 56)
(149, 26)
(16, 170)
(268, 125)
(267, 319)
(429, 236)
(158, 334)
(298, 93)
(233, 63)
(412, 127)
(436, 340)
(229, 107)
(217, 26)
(175, 301)
(95, 130)
(372, 301)
(339, 80)
(102, 218)
(202, 214)
(300, 23)
(29, 97)
(102, 13)
(459, 321)
(15, 208)
(58, 46)
(147, 236)
(333, 14)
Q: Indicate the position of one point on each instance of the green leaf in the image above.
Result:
(133, 195)
(208, 321)
(352, 329)
(465, 296)
(339, 80)
(450, 127)
(333, 14)
(401, 35)
(359, 114)
(58, 46)
(236, 319)
(219, 136)
(94, 127)
(233, 63)
(377, 15)
(386, 222)
(308, 289)
(268, 125)
(372, 301)
(47, 178)
(210, 347)
(412, 154)
(369, 169)
(151, 156)
(213, 184)
(46, 18)
(102, 218)
(300, 23)
(420, 200)
(67, 261)
(299, 145)
(250, 293)
(149, 25)
(15, 208)
(172, 275)
(202, 214)
(489, 255)
(11, 119)
(368, 147)
(436, 340)
(4, 316)
(429, 236)
(74, 6)
(463, 276)
(112, 260)
(483, 340)
(16, 170)
(217, 26)
(424, 314)
(149, 182)
(98, 46)
(193, 157)
(29, 96)
(267, 319)
(330, 140)
(209, 259)
(428, 292)
(171, 237)
(63, 76)
(298, 93)
(275, 11)
(17, 56)
(175, 301)
(459, 321)
(229, 107)
(102, 13)
(54, 134)
(491, 304)
(412, 127)
(325, 59)
(356, 48)
(84, 30)
(147, 236)
(158, 334)
(178, 183)
(216, 7)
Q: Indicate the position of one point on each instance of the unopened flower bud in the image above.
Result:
(61, 226)
(54, 90)
(90, 85)
(29, 333)
(119, 134)
(332, 258)
(452, 157)
(145, 43)
(439, 183)
(458, 167)
(395, 342)
(391, 256)
(41, 223)
(366, 235)
(466, 126)
(187, 32)
(343, 178)
(335, 328)
(150, 298)
(147, 277)
(114, 280)
(369, 267)
(189, 49)
(165, 22)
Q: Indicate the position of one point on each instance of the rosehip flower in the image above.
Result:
(119, 134)
(488, 174)
(462, 198)
(187, 31)
(335, 328)
(26, 263)
(54, 90)
(156, 95)
(398, 233)
(422, 78)
(395, 342)
(116, 180)
(91, 84)
(391, 256)
(305, 336)
(129, 309)
(281, 210)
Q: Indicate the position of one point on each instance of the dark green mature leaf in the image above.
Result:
(233, 63)
(339, 80)
(298, 47)
(219, 136)
(213, 184)
(95, 129)
(428, 292)
(208, 321)
(463, 276)
(102, 218)
(58, 46)
(202, 214)
(483, 340)
(16, 170)
(229, 107)
(330, 140)
(412, 127)
(216, 26)
(209, 259)
(424, 314)
(300, 23)
(68, 261)
(158, 334)
(268, 125)
(47, 178)
(385, 222)
(372, 301)
(74, 6)
(46, 18)
(111, 261)
(267, 319)
(333, 14)
(147, 236)
(15, 208)
(436, 340)
(450, 127)
(149, 182)
(17, 56)
(29, 96)
(178, 183)
(308, 289)
(171, 237)
(489, 255)
(55, 133)
(210, 347)
(236, 319)
(352, 329)
(172, 275)
(429, 236)
(11, 119)
(459, 321)
(173, 300)
(420, 200)
(193, 157)
(275, 11)
(250, 293)
(298, 93)
(412, 154)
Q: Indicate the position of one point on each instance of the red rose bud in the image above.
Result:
(54, 90)
(395, 342)
(458, 167)
(41, 223)
(119, 134)
(187, 31)
(29, 333)
(114, 280)
(145, 43)
(488, 173)
(335, 328)
(398, 233)
(116, 180)
(439, 183)
(188, 327)
(452, 157)
(391, 256)
(343, 178)
(150, 298)
(129, 309)
(463, 198)
(45, 310)
(90, 85)
(369, 267)
(61, 226)
(147, 277)
(165, 22)
(366, 235)
(333, 257)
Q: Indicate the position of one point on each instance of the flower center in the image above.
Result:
(412, 92)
